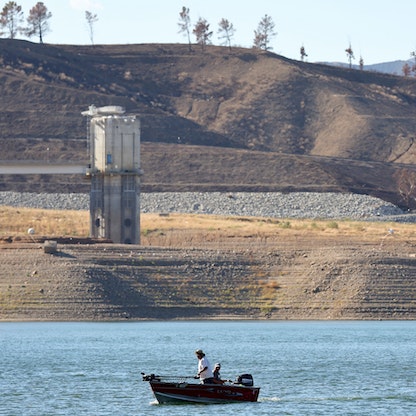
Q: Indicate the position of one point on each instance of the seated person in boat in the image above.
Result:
(204, 368)
(217, 375)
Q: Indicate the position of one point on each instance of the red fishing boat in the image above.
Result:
(182, 391)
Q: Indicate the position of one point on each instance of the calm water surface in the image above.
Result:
(303, 368)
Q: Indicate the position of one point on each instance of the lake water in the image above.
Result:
(303, 368)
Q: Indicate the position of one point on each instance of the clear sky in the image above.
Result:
(378, 30)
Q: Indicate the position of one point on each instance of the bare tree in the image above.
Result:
(406, 69)
(185, 25)
(10, 18)
(226, 31)
(303, 53)
(350, 55)
(264, 33)
(413, 67)
(91, 19)
(38, 21)
(202, 32)
(361, 62)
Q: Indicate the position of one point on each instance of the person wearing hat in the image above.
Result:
(204, 368)
(217, 375)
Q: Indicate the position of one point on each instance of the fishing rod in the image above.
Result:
(150, 377)
(147, 377)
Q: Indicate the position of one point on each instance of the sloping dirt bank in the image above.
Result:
(251, 277)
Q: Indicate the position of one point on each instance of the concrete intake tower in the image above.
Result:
(114, 146)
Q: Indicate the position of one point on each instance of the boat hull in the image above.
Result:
(202, 393)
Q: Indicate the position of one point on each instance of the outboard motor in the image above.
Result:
(245, 380)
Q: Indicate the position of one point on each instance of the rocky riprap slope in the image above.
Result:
(257, 204)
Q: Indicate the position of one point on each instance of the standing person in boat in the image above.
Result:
(204, 368)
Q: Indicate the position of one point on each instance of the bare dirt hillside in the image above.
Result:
(253, 120)
(247, 277)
